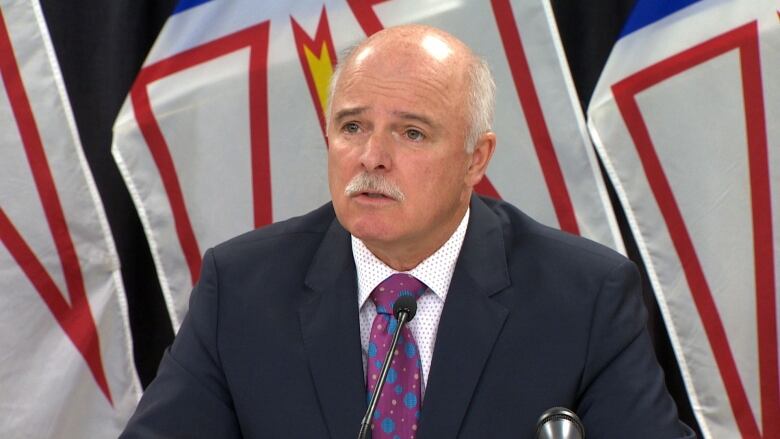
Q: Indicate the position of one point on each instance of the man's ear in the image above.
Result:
(480, 158)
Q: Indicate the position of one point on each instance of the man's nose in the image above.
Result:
(376, 152)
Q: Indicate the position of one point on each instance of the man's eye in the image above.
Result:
(351, 127)
(413, 134)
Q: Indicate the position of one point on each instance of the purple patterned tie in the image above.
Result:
(398, 409)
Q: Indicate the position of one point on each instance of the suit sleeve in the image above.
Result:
(189, 397)
(623, 392)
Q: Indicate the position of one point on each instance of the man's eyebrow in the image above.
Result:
(348, 112)
(417, 117)
(406, 115)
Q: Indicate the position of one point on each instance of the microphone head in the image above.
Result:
(559, 423)
(407, 304)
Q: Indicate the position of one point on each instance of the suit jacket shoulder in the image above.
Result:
(523, 234)
(559, 321)
(297, 236)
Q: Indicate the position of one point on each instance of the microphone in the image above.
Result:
(405, 304)
(404, 310)
(559, 423)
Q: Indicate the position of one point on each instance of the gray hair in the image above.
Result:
(345, 57)
(481, 98)
(481, 101)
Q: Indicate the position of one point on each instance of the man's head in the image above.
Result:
(409, 136)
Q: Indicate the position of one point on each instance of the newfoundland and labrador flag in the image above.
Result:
(66, 359)
(686, 118)
(223, 130)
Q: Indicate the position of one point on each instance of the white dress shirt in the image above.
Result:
(435, 272)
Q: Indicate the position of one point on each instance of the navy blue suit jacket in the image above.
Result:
(534, 318)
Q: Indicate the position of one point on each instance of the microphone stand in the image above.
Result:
(403, 318)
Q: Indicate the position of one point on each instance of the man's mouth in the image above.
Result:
(374, 195)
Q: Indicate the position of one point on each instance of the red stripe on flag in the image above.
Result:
(258, 124)
(532, 108)
(755, 120)
(485, 187)
(256, 39)
(75, 319)
(363, 10)
(744, 39)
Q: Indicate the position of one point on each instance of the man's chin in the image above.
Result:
(371, 222)
(373, 230)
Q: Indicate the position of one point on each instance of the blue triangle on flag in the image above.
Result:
(646, 12)
(183, 5)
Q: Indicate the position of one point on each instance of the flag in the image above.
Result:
(223, 130)
(686, 118)
(66, 364)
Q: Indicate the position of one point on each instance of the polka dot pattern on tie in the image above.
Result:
(435, 272)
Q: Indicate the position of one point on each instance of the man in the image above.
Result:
(283, 336)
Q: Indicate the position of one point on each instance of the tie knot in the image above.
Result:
(395, 286)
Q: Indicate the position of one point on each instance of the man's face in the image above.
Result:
(399, 117)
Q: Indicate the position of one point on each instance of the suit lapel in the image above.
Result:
(469, 326)
(331, 334)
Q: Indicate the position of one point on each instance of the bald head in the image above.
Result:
(438, 55)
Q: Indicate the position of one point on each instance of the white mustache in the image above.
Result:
(375, 183)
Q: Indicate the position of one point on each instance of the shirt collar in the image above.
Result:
(435, 271)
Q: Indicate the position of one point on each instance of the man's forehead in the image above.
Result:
(396, 86)
(403, 71)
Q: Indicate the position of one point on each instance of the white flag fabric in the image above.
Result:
(686, 117)
(66, 364)
(223, 129)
